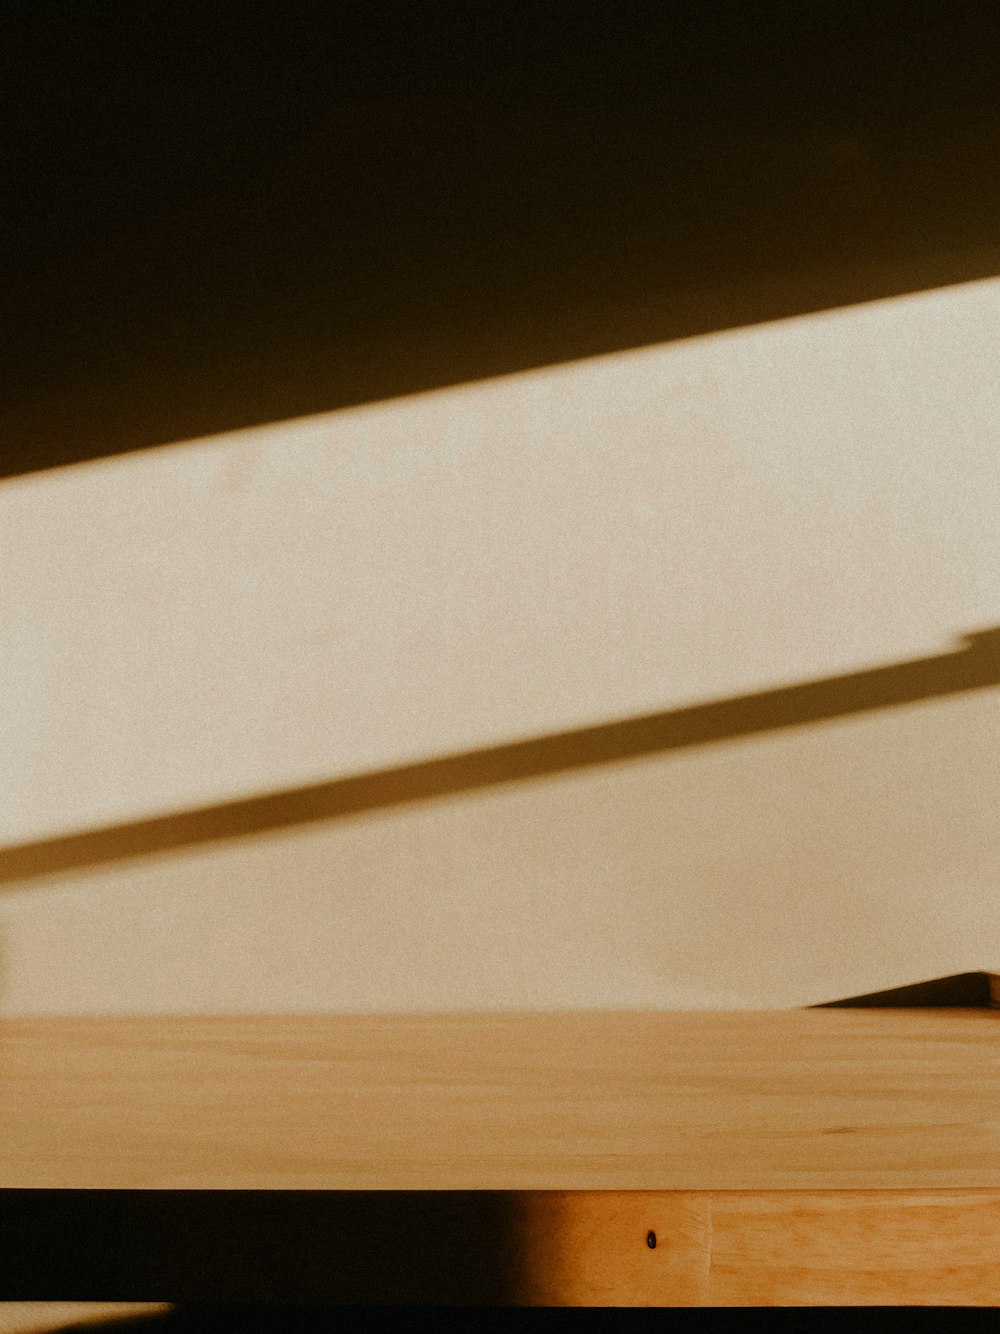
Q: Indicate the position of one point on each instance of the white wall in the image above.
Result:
(293, 603)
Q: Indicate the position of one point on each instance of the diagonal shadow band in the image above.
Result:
(976, 665)
(978, 990)
(426, 217)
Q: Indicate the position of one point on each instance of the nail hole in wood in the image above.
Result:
(651, 1240)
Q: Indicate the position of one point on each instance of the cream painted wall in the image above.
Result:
(569, 546)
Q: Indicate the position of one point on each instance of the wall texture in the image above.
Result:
(386, 584)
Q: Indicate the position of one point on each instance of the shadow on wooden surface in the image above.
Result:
(448, 1248)
(301, 1318)
(976, 665)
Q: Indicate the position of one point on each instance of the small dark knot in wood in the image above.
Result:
(651, 1240)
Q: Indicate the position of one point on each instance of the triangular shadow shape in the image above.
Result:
(978, 990)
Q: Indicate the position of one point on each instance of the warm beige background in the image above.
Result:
(394, 582)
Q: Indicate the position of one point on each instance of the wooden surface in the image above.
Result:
(675, 1101)
(768, 1248)
(544, 1248)
(807, 1157)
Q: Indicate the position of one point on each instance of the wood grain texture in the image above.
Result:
(768, 1248)
(665, 1101)
(586, 1248)
(546, 1248)
(855, 1248)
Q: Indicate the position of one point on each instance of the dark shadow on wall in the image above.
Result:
(977, 991)
(975, 666)
(213, 223)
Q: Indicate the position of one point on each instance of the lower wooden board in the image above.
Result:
(781, 1248)
(501, 1249)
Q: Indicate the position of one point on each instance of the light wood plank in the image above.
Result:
(569, 1248)
(777, 1248)
(587, 1248)
(803, 1100)
(855, 1248)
